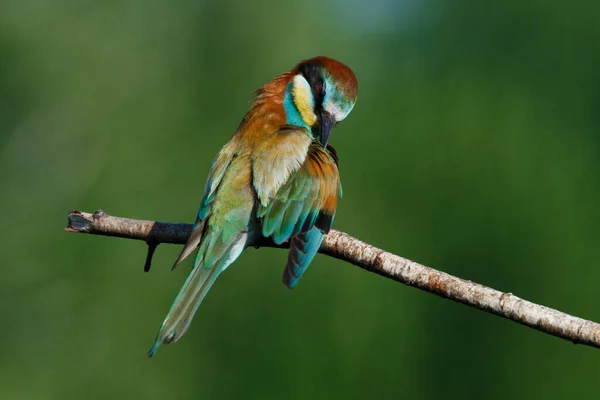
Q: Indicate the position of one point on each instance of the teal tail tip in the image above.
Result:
(152, 351)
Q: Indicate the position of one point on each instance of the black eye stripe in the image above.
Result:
(311, 71)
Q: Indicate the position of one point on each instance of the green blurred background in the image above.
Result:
(473, 148)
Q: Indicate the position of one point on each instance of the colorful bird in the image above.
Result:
(277, 177)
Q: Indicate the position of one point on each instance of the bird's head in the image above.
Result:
(321, 93)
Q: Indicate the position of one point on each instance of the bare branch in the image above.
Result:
(344, 247)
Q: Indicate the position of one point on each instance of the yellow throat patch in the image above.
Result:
(303, 99)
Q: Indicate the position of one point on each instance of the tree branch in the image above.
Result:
(344, 247)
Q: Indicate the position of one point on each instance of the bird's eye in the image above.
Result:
(320, 87)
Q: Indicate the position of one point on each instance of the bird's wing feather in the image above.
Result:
(299, 205)
(215, 176)
(276, 158)
(224, 237)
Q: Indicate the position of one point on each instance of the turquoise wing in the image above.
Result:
(303, 248)
(217, 171)
(221, 233)
(302, 209)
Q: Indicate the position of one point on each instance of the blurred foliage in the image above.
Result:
(473, 148)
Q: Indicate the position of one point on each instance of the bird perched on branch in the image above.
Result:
(277, 177)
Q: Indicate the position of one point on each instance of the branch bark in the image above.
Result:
(344, 247)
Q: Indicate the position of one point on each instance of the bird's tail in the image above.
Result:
(194, 290)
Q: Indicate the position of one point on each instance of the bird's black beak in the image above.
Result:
(325, 126)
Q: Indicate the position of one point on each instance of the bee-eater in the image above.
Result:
(277, 177)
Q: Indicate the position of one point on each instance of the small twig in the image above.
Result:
(344, 247)
(152, 245)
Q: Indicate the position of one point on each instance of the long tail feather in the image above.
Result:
(185, 305)
(192, 243)
(193, 292)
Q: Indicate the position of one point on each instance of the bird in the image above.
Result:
(277, 178)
